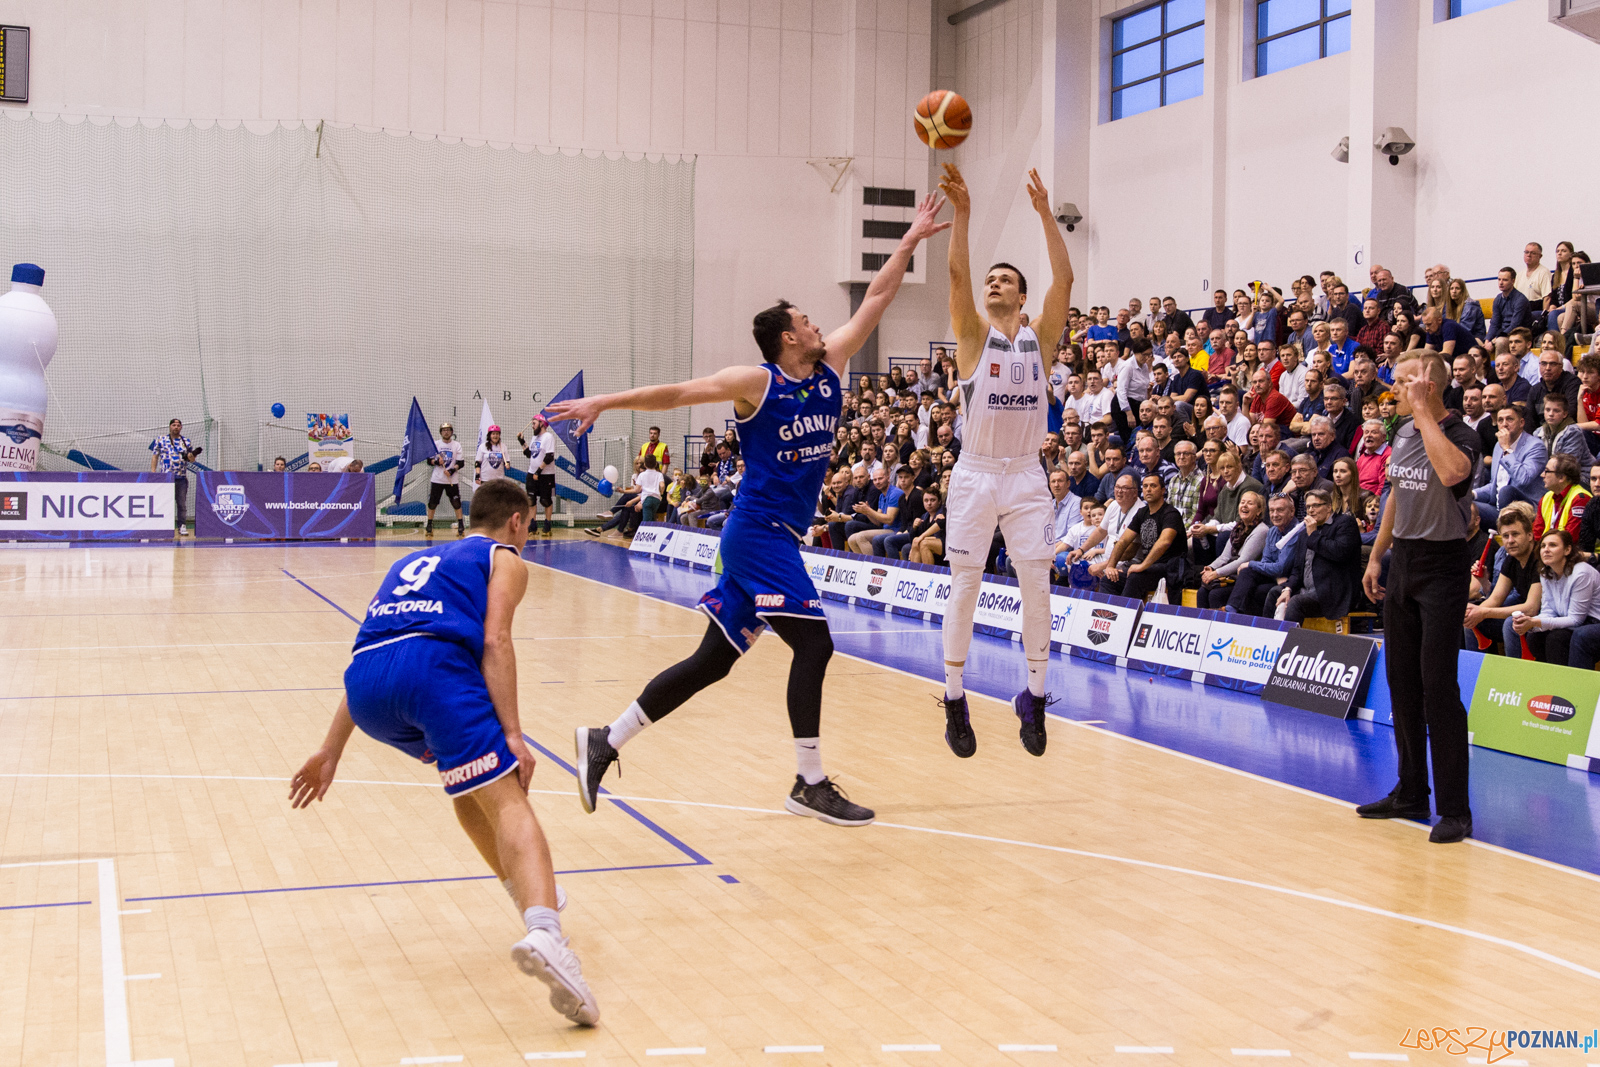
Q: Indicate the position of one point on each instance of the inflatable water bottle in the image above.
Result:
(27, 344)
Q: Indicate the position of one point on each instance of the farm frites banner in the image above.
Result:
(257, 506)
(1538, 710)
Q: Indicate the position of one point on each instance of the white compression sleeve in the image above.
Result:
(965, 582)
(1033, 582)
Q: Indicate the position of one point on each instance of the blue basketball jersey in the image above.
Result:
(438, 592)
(786, 446)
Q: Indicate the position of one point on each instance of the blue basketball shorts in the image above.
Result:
(427, 698)
(762, 575)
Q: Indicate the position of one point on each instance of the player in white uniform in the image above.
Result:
(446, 464)
(998, 477)
(541, 453)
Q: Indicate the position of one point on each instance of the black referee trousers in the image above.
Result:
(1422, 609)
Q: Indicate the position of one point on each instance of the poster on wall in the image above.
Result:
(327, 437)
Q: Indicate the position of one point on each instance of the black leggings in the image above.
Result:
(808, 638)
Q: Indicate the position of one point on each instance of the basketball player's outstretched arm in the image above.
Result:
(741, 385)
(970, 328)
(508, 581)
(1058, 298)
(314, 777)
(847, 340)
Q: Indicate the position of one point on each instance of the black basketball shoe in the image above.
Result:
(958, 727)
(826, 801)
(1395, 807)
(595, 754)
(1030, 709)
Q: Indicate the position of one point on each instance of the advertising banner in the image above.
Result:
(1321, 672)
(1169, 640)
(261, 506)
(327, 437)
(1538, 710)
(1240, 654)
(85, 506)
(1101, 626)
(1375, 705)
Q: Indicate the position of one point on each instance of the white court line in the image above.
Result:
(141, 977)
(430, 1059)
(1474, 842)
(134, 911)
(113, 987)
(792, 1048)
(313, 1063)
(1516, 946)
(1508, 1063)
(554, 1055)
(910, 1048)
(1261, 1052)
(1028, 1048)
(1146, 1050)
(695, 1051)
(1392, 1057)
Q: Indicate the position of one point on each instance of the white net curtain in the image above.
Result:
(207, 273)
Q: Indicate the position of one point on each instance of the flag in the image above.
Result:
(415, 448)
(485, 421)
(578, 446)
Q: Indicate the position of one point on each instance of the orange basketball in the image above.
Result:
(943, 119)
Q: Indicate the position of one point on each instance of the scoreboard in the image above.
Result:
(14, 64)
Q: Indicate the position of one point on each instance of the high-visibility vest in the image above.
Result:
(1576, 497)
(660, 451)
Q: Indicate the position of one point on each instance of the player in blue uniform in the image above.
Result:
(434, 674)
(787, 409)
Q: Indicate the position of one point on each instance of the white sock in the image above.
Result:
(539, 918)
(808, 754)
(627, 725)
(1037, 668)
(952, 681)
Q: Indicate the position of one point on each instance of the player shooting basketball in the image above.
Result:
(998, 477)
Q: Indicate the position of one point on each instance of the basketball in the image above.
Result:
(943, 119)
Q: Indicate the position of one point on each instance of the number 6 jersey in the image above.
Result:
(438, 592)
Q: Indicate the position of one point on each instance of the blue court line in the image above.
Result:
(183, 693)
(59, 904)
(324, 599)
(376, 885)
(645, 821)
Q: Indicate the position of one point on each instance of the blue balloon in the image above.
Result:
(604, 487)
(277, 411)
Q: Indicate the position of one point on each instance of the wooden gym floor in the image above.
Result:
(1113, 901)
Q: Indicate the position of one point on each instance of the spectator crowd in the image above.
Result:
(1244, 453)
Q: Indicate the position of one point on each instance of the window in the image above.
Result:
(1157, 56)
(1292, 32)
(1470, 7)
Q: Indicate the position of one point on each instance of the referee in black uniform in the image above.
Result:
(1424, 529)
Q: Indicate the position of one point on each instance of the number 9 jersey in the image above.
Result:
(438, 592)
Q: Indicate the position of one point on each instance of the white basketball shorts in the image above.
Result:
(1011, 493)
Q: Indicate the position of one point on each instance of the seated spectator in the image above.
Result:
(1518, 462)
(1348, 496)
(1372, 459)
(279, 465)
(1346, 423)
(1569, 598)
(1374, 327)
(1448, 338)
(894, 543)
(1304, 478)
(1151, 547)
(1256, 582)
(1324, 449)
(1533, 281)
(1237, 422)
(1553, 381)
(1115, 461)
(1324, 576)
(827, 507)
(875, 516)
(1405, 330)
(1065, 507)
(1589, 529)
(1392, 298)
(1217, 315)
(1460, 306)
(1314, 404)
(1508, 375)
(1185, 482)
(1186, 383)
(623, 514)
(1147, 459)
(1232, 484)
(314, 467)
(861, 490)
(927, 532)
(1565, 501)
(652, 489)
(1511, 310)
(1340, 306)
(1243, 545)
(1581, 312)
(1266, 402)
(1113, 522)
(1513, 586)
(1274, 472)
(1463, 376)
(1561, 436)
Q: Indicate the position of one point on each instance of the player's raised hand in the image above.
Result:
(925, 225)
(584, 410)
(954, 187)
(1038, 193)
(312, 780)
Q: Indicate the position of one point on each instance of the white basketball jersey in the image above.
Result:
(1006, 414)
